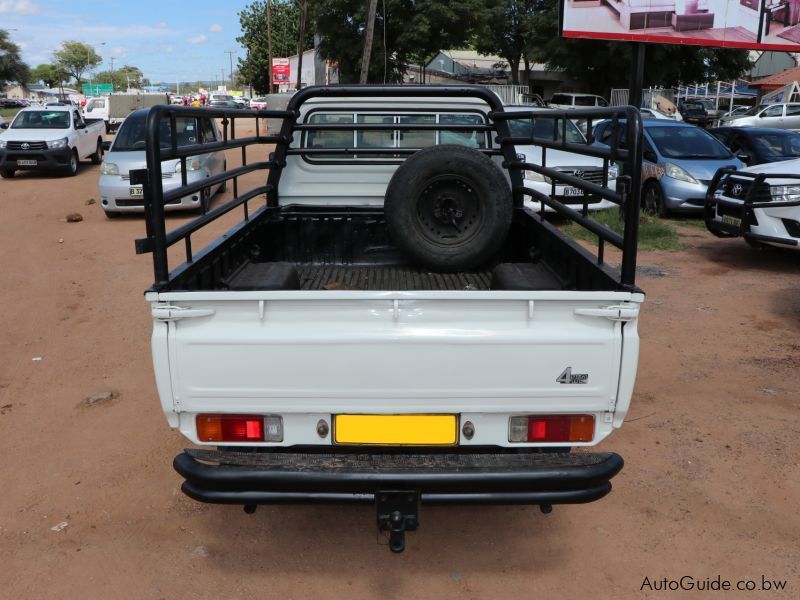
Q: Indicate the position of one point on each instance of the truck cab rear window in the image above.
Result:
(389, 137)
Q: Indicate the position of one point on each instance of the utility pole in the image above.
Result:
(373, 7)
(269, 43)
(230, 56)
(303, 13)
(222, 74)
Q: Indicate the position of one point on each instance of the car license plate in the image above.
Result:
(395, 430)
(137, 192)
(731, 221)
(27, 163)
(573, 191)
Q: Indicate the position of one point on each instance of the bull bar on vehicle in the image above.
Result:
(740, 210)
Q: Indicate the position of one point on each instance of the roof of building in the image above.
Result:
(779, 79)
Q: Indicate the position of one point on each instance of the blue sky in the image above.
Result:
(170, 40)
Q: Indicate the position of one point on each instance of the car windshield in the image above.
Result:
(777, 145)
(131, 135)
(544, 128)
(693, 106)
(42, 119)
(755, 110)
(687, 143)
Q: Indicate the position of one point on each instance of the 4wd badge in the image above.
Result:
(568, 377)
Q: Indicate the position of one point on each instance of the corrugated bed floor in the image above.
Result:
(338, 277)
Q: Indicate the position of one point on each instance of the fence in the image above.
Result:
(509, 94)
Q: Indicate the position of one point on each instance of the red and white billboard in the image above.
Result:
(753, 24)
(281, 73)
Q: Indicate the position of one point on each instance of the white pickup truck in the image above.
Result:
(391, 325)
(759, 203)
(54, 138)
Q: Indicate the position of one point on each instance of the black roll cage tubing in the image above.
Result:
(626, 196)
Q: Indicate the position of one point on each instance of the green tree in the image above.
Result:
(11, 66)
(51, 75)
(602, 65)
(506, 30)
(406, 32)
(123, 78)
(285, 31)
(76, 58)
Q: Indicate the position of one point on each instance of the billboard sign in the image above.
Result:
(751, 24)
(281, 74)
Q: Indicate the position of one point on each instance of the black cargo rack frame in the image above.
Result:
(158, 240)
(743, 206)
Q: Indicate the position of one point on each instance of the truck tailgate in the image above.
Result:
(393, 352)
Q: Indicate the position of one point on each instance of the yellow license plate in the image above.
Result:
(396, 430)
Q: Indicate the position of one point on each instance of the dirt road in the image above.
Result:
(91, 507)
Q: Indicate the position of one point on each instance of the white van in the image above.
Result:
(97, 108)
(570, 101)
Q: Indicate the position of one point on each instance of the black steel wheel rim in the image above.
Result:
(449, 211)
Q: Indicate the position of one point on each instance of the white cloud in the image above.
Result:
(119, 52)
(198, 39)
(19, 7)
(161, 24)
(215, 27)
(169, 49)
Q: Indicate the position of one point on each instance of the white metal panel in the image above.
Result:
(378, 355)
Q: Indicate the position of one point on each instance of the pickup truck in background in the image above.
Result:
(54, 138)
(115, 108)
(759, 203)
(389, 323)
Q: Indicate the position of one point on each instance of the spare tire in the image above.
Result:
(449, 207)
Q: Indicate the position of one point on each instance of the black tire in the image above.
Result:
(97, 157)
(72, 169)
(7, 173)
(449, 207)
(224, 186)
(205, 200)
(111, 214)
(108, 129)
(653, 200)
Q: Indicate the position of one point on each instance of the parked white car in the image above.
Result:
(585, 167)
(54, 138)
(764, 213)
(778, 116)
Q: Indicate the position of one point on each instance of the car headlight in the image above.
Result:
(785, 193)
(2, 144)
(534, 176)
(108, 168)
(678, 173)
(56, 144)
(191, 165)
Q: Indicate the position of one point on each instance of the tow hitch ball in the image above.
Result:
(397, 513)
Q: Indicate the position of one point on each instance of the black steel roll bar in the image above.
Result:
(158, 240)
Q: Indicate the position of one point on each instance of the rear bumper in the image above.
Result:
(225, 477)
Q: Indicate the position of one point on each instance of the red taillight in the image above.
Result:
(230, 428)
(551, 428)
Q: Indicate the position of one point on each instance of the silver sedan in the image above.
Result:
(127, 153)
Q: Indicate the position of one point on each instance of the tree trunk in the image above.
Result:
(514, 71)
(300, 45)
(373, 7)
(269, 45)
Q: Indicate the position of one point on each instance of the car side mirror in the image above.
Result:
(650, 155)
(744, 157)
(80, 125)
(4, 125)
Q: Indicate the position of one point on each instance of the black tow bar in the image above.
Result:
(397, 513)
